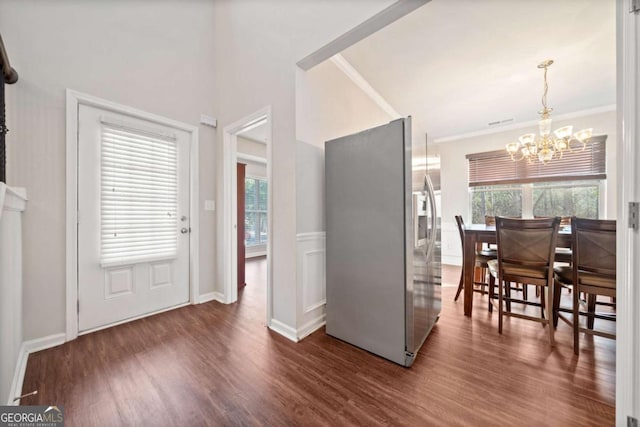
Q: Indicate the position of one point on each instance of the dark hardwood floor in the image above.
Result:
(215, 364)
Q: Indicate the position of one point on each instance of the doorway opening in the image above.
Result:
(252, 197)
(248, 206)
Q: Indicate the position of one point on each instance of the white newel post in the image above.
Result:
(13, 202)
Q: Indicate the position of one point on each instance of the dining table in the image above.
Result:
(475, 234)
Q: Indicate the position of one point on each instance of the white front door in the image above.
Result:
(133, 217)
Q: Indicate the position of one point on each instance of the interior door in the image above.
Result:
(241, 173)
(133, 217)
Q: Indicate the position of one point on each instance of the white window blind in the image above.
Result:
(139, 195)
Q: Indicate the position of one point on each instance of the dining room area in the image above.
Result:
(529, 246)
(522, 134)
(529, 258)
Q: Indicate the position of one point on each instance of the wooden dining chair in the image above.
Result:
(490, 220)
(562, 254)
(592, 272)
(526, 252)
(482, 260)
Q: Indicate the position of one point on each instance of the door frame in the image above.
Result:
(230, 206)
(628, 239)
(73, 102)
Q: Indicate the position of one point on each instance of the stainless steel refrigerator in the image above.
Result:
(383, 241)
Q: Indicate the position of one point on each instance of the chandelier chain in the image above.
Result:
(546, 89)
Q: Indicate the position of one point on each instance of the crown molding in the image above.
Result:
(353, 74)
(501, 129)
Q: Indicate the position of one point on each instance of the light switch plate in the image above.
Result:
(209, 205)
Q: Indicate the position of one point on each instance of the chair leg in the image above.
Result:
(501, 285)
(460, 285)
(507, 293)
(492, 284)
(542, 302)
(576, 319)
(591, 309)
(550, 313)
(557, 292)
(525, 291)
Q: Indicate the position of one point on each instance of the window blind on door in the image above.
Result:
(139, 195)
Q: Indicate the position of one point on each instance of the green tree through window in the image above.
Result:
(255, 218)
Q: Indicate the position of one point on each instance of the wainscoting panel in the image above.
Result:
(311, 251)
(451, 247)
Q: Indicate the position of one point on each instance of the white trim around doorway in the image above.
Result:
(628, 244)
(74, 100)
(230, 207)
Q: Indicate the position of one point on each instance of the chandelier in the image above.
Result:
(547, 146)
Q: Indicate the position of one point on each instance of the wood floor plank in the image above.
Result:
(216, 364)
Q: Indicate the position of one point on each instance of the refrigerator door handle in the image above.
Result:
(428, 188)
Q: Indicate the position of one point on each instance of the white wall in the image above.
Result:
(253, 148)
(265, 39)
(329, 105)
(454, 172)
(156, 57)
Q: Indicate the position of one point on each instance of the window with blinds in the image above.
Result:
(564, 187)
(496, 167)
(255, 217)
(139, 195)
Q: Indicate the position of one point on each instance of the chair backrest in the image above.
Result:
(594, 245)
(565, 221)
(527, 242)
(460, 223)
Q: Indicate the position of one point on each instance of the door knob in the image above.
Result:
(184, 230)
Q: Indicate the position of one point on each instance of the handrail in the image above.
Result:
(10, 74)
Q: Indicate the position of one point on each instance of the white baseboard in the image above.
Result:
(33, 346)
(18, 376)
(211, 296)
(28, 347)
(311, 326)
(284, 330)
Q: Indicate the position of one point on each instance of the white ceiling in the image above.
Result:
(456, 65)
(257, 134)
